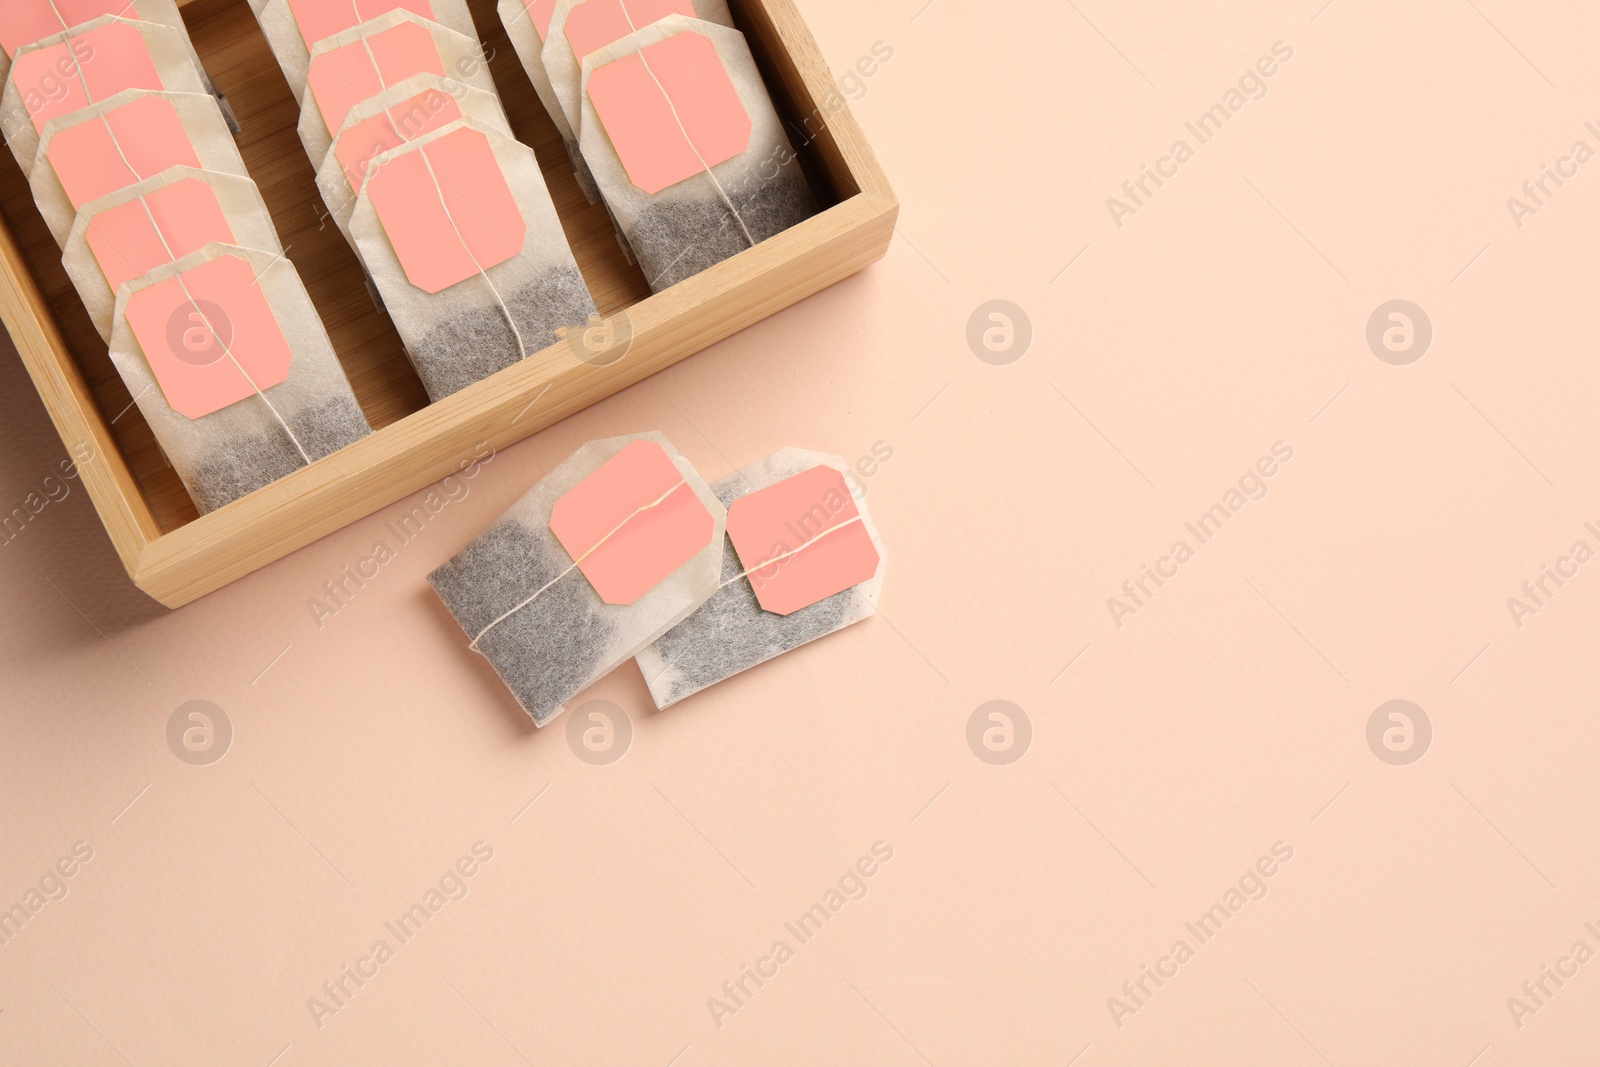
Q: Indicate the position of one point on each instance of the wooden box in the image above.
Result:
(174, 554)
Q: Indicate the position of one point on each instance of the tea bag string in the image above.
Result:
(723, 193)
(775, 560)
(195, 304)
(576, 563)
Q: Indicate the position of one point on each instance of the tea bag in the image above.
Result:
(796, 510)
(403, 113)
(611, 550)
(687, 148)
(463, 244)
(122, 141)
(363, 61)
(294, 27)
(130, 233)
(527, 22)
(230, 365)
(25, 22)
(88, 64)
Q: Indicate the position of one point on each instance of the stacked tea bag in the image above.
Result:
(448, 213)
(672, 125)
(133, 165)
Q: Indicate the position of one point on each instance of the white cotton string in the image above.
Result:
(576, 563)
(684, 130)
(775, 560)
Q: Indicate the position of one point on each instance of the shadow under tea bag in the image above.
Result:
(229, 363)
(134, 136)
(802, 560)
(612, 549)
(130, 233)
(87, 65)
(25, 22)
(363, 61)
(294, 27)
(414, 108)
(687, 148)
(465, 249)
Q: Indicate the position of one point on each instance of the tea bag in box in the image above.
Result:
(294, 27)
(465, 249)
(363, 61)
(25, 22)
(802, 560)
(612, 549)
(133, 136)
(86, 65)
(130, 233)
(687, 148)
(527, 22)
(229, 363)
(403, 113)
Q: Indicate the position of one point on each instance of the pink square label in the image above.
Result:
(214, 345)
(343, 77)
(25, 22)
(133, 239)
(447, 210)
(122, 147)
(631, 523)
(802, 540)
(594, 24)
(90, 67)
(320, 19)
(365, 141)
(670, 110)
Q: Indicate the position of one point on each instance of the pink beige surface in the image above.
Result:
(1197, 763)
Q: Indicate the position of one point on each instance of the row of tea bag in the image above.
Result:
(667, 120)
(624, 552)
(447, 211)
(133, 165)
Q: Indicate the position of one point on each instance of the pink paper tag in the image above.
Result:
(132, 239)
(93, 158)
(320, 19)
(75, 73)
(25, 22)
(806, 528)
(365, 141)
(631, 523)
(447, 210)
(188, 342)
(594, 24)
(667, 132)
(540, 12)
(343, 77)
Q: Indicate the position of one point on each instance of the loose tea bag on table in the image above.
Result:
(229, 363)
(134, 136)
(802, 560)
(465, 249)
(403, 113)
(363, 61)
(86, 65)
(687, 148)
(131, 232)
(612, 549)
(294, 27)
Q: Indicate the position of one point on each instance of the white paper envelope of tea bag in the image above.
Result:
(464, 246)
(86, 65)
(122, 141)
(130, 233)
(402, 113)
(230, 365)
(608, 552)
(687, 148)
(817, 523)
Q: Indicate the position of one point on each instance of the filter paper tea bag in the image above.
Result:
(130, 233)
(465, 249)
(294, 27)
(83, 66)
(363, 61)
(398, 115)
(229, 363)
(527, 22)
(798, 511)
(25, 22)
(612, 549)
(131, 137)
(687, 148)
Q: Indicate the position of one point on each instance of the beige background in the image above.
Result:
(1230, 713)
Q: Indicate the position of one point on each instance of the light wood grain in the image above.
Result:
(177, 556)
